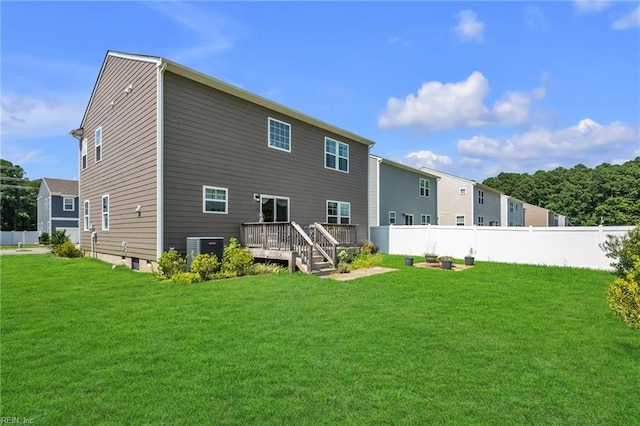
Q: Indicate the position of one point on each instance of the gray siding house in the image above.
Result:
(401, 195)
(464, 202)
(540, 216)
(167, 153)
(512, 211)
(58, 207)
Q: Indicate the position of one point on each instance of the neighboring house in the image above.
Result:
(401, 195)
(512, 211)
(540, 216)
(167, 153)
(58, 207)
(464, 202)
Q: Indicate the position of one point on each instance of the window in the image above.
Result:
(105, 212)
(84, 154)
(480, 220)
(510, 206)
(69, 204)
(336, 155)
(424, 187)
(425, 219)
(85, 213)
(460, 220)
(274, 209)
(392, 218)
(98, 144)
(516, 207)
(338, 212)
(279, 135)
(510, 223)
(214, 200)
(408, 219)
(480, 197)
(462, 191)
(494, 223)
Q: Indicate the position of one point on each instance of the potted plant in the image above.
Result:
(446, 262)
(431, 258)
(408, 261)
(469, 258)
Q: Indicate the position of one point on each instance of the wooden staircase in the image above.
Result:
(316, 250)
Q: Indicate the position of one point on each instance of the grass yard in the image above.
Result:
(496, 344)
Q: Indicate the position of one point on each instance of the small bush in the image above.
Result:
(624, 296)
(365, 260)
(205, 265)
(183, 277)
(267, 269)
(236, 259)
(343, 267)
(369, 247)
(44, 239)
(623, 250)
(345, 256)
(170, 263)
(59, 237)
(67, 249)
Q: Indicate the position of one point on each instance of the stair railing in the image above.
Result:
(302, 244)
(325, 243)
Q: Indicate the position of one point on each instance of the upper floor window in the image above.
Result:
(84, 154)
(425, 219)
(510, 206)
(338, 212)
(424, 187)
(462, 191)
(69, 204)
(279, 135)
(105, 212)
(214, 200)
(336, 155)
(516, 207)
(392, 218)
(85, 215)
(98, 144)
(480, 197)
(460, 220)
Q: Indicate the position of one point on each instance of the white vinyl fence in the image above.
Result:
(576, 246)
(12, 238)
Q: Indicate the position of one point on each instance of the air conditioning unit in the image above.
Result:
(202, 245)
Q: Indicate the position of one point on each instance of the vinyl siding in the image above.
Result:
(216, 139)
(490, 209)
(43, 209)
(127, 171)
(374, 180)
(451, 203)
(400, 192)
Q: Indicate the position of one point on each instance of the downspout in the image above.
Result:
(160, 157)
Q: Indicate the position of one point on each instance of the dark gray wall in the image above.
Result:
(400, 192)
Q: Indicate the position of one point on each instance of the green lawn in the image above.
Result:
(496, 344)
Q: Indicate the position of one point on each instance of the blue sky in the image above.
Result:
(469, 88)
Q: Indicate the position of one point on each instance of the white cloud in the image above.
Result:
(584, 138)
(469, 28)
(631, 20)
(534, 18)
(425, 159)
(36, 117)
(591, 6)
(440, 106)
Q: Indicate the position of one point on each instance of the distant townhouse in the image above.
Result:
(464, 202)
(58, 207)
(512, 211)
(540, 216)
(401, 195)
(167, 153)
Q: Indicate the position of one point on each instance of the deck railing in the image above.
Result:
(302, 244)
(269, 236)
(325, 243)
(347, 235)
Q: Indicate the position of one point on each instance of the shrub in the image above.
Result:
(67, 249)
(183, 277)
(624, 296)
(267, 269)
(59, 237)
(345, 256)
(369, 247)
(44, 238)
(365, 260)
(343, 267)
(170, 263)
(623, 250)
(236, 259)
(205, 265)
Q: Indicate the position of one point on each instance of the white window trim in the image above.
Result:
(337, 155)
(395, 220)
(425, 219)
(83, 156)
(480, 197)
(277, 197)
(64, 204)
(340, 203)
(464, 220)
(480, 219)
(406, 217)
(107, 213)
(269, 134)
(97, 160)
(204, 199)
(427, 188)
(86, 206)
(462, 191)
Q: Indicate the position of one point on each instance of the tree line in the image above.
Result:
(606, 194)
(19, 197)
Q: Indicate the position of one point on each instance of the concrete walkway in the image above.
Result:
(26, 251)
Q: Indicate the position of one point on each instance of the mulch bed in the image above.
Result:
(454, 267)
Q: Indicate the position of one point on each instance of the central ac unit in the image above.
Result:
(204, 245)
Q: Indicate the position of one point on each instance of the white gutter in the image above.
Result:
(160, 158)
